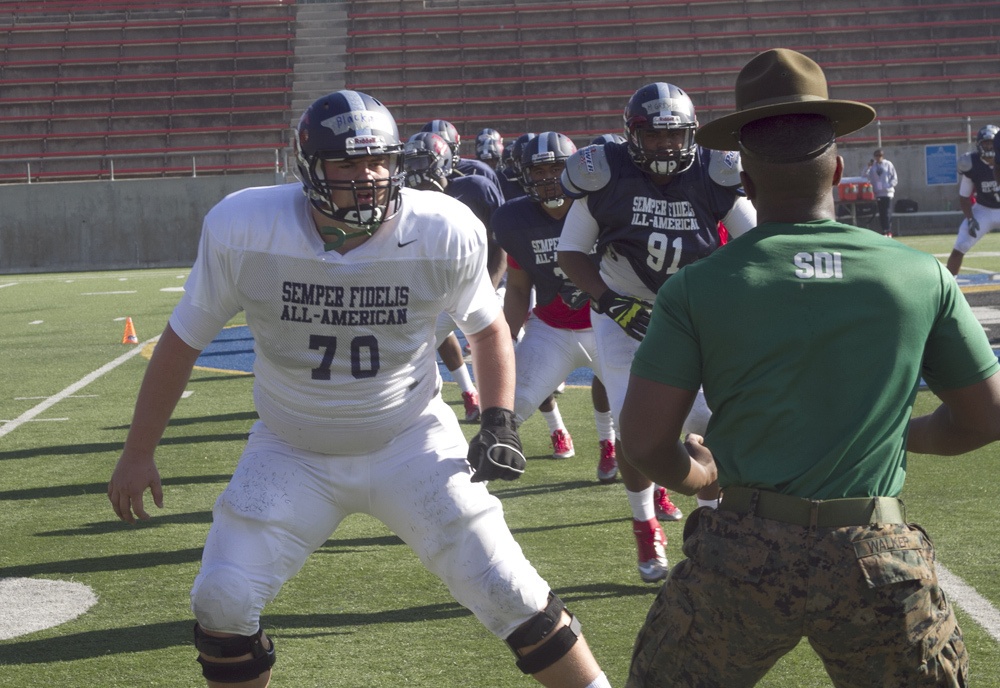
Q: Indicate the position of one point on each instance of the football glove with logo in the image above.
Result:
(630, 313)
(495, 452)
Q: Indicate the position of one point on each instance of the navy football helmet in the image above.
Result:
(607, 138)
(445, 130)
(548, 148)
(489, 145)
(340, 126)
(987, 134)
(428, 161)
(660, 106)
(512, 168)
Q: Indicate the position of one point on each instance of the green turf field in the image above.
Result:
(363, 612)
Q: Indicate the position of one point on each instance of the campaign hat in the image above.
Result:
(782, 82)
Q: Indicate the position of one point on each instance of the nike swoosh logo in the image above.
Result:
(401, 244)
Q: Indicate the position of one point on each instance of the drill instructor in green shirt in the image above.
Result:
(811, 422)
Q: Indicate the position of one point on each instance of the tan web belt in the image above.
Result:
(826, 513)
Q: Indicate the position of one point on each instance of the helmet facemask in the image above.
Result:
(662, 161)
(545, 189)
(373, 200)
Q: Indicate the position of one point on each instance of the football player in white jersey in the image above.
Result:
(341, 290)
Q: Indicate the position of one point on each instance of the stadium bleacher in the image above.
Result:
(137, 88)
(134, 81)
(523, 66)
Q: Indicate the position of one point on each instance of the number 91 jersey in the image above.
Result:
(652, 230)
(344, 343)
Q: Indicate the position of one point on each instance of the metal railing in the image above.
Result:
(110, 167)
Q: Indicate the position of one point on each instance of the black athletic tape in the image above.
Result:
(235, 646)
(557, 647)
(538, 626)
(236, 672)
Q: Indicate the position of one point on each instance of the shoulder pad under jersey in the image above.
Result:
(724, 167)
(586, 171)
(965, 163)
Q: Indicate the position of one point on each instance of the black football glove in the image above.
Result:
(576, 299)
(630, 313)
(495, 452)
(973, 226)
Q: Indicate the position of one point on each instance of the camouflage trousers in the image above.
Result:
(866, 597)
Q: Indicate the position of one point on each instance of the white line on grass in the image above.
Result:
(72, 389)
(974, 604)
(106, 293)
(9, 284)
(38, 420)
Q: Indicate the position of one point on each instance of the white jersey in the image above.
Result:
(344, 344)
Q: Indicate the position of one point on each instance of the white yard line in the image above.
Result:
(975, 605)
(30, 414)
(39, 420)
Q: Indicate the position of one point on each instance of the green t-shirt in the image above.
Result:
(810, 341)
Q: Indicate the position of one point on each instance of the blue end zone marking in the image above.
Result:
(230, 352)
(964, 279)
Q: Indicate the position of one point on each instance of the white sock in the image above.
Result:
(463, 378)
(642, 504)
(711, 503)
(605, 425)
(554, 419)
(600, 682)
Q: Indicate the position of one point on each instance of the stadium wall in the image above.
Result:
(145, 223)
(937, 202)
(109, 225)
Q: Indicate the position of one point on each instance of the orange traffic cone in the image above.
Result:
(129, 337)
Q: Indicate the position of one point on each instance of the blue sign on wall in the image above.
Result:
(940, 162)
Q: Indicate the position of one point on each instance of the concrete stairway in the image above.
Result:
(320, 53)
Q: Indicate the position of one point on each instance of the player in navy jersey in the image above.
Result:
(489, 147)
(510, 161)
(651, 205)
(557, 337)
(428, 162)
(461, 166)
(978, 195)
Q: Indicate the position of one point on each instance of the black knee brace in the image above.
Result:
(537, 629)
(233, 672)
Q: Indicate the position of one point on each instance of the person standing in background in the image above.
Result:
(882, 175)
